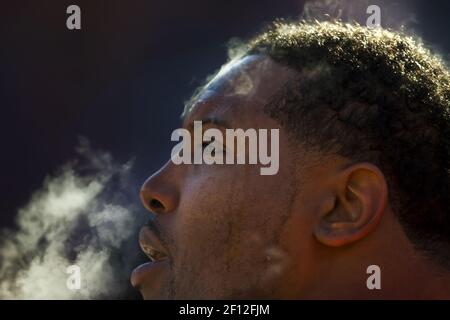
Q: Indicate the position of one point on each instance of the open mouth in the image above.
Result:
(150, 274)
(151, 245)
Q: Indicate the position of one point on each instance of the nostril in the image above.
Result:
(156, 205)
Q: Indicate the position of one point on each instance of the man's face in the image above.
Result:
(223, 227)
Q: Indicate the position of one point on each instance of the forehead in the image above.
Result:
(242, 87)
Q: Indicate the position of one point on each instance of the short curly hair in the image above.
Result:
(372, 95)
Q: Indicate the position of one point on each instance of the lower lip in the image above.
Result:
(148, 273)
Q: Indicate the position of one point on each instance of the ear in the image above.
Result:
(354, 207)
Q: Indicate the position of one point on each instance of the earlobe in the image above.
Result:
(360, 199)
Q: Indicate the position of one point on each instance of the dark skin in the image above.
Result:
(307, 232)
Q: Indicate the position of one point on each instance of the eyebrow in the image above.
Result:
(211, 121)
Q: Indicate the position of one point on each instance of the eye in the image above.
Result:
(218, 146)
(210, 141)
(205, 144)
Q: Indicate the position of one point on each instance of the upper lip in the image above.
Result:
(151, 245)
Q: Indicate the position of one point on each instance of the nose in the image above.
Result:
(159, 193)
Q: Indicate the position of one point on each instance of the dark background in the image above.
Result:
(121, 80)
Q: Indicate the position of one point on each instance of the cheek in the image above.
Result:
(226, 225)
(231, 202)
(204, 214)
(202, 235)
